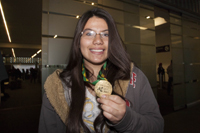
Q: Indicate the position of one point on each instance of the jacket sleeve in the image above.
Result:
(49, 120)
(145, 117)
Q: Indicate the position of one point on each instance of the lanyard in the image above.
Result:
(100, 76)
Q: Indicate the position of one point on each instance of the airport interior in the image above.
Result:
(36, 37)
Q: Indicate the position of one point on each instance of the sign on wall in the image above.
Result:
(165, 48)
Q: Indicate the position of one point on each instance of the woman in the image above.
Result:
(97, 53)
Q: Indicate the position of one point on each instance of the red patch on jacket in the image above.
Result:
(133, 79)
(127, 103)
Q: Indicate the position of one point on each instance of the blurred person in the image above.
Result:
(161, 72)
(33, 75)
(170, 80)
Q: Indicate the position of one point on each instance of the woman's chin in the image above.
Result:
(96, 62)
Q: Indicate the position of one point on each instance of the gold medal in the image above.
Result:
(103, 87)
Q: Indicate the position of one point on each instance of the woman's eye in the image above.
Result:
(89, 33)
(105, 34)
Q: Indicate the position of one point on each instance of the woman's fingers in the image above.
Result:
(113, 106)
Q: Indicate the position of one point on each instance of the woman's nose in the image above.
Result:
(97, 39)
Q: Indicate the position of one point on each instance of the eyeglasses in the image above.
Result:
(90, 34)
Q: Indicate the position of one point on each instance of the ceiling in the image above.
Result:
(24, 18)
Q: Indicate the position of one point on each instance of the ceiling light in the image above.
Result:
(92, 3)
(55, 36)
(148, 17)
(77, 16)
(4, 20)
(13, 52)
(159, 21)
(33, 56)
(140, 27)
(39, 51)
(36, 53)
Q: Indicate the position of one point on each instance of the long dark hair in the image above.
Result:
(118, 64)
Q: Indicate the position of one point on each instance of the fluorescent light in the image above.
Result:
(77, 16)
(159, 21)
(36, 53)
(140, 27)
(13, 52)
(55, 36)
(5, 24)
(39, 51)
(33, 56)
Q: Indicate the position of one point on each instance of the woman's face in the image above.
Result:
(94, 47)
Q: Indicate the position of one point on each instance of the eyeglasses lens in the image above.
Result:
(92, 34)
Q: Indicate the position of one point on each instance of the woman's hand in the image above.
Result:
(113, 106)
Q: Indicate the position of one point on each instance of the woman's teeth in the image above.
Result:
(95, 50)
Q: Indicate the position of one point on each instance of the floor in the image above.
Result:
(19, 113)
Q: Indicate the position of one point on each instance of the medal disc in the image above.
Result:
(103, 87)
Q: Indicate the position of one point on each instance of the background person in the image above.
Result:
(170, 75)
(161, 72)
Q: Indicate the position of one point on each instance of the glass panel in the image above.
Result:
(175, 20)
(58, 25)
(45, 23)
(179, 96)
(192, 92)
(190, 32)
(118, 16)
(69, 6)
(58, 50)
(148, 55)
(147, 37)
(192, 59)
(112, 3)
(131, 8)
(134, 52)
(189, 42)
(177, 63)
(176, 41)
(120, 29)
(132, 35)
(178, 66)
(176, 29)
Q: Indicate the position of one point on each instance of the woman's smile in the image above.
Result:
(98, 51)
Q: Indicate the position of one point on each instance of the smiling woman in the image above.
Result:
(94, 42)
(77, 100)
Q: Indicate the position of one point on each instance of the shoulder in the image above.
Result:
(54, 76)
(138, 79)
(53, 80)
(55, 93)
(136, 72)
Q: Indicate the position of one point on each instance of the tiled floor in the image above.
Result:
(20, 112)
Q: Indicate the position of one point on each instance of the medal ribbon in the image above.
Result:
(100, 76)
